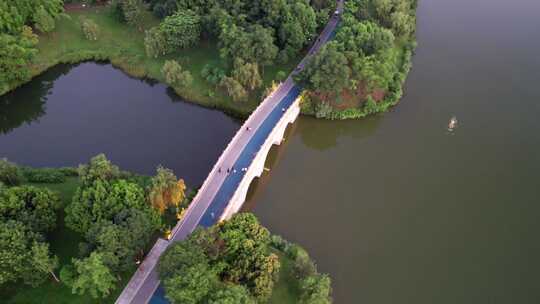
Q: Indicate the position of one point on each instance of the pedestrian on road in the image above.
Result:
(219, 170)
(228, 170)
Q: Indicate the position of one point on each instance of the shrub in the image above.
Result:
(69, 171)
(175, 75)
(10, 174)
(183, 29)
(234, 88)
(43, 175)
(90, 29)
(155, 43)
(67, 274)
(303, 265)
(323, 109)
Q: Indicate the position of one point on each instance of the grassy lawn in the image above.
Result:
(64, 243)
(123, 46)
(286, 289)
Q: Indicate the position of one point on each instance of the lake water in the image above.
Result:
(70, 114)
(396, 208)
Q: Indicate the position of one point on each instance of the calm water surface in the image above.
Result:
(395, 208)
(70, 114)
(399, 210)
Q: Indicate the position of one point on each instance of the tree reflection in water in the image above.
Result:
(28, 103)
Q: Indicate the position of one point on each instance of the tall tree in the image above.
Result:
(327, 71)
(166, 190)
(43, 261)
(16, 260)
(175, 75)
(247, 74)
(32, 206)
(93, 277)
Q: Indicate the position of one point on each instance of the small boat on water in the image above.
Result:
(452, 124)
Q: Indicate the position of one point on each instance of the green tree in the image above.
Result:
(93, 277)
(90, 29)
(402, 23)
(181, 30)
(212, 74)
(231, 294)
(191, 286)
(32, 206)
(129, 11)
(16, 261)
(16, 54)
(43, 21)
(103, 200)
(186, 273)
(10, 173)
(328, 71)
(155, 43)
(123, 239)
(315, 290)
(247, 256)
(99, 168)
(253, 45)
(43, 261)
(234, 88)
(175, 75)
(166, 190)
(247, 74)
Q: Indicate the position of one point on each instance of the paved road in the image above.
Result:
(145, 281)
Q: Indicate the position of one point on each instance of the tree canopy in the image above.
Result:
(368, 57)
(17, 41)
(228, 263)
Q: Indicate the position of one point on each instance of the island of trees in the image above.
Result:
(225, 54)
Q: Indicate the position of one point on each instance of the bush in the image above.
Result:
(323, 110)
(67, 274)
(69, 171)
(175, 75)
(10, 174)
(43, 175)
(303, 265)
(90, 29)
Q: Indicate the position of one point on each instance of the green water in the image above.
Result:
(396, 208)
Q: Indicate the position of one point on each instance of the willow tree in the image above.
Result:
(166, 190)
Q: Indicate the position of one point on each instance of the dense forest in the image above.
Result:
(107, 215)
(362, 70)
(251, 35)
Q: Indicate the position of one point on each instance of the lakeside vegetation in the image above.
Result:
(76, 235)
(220, 54)
(362, 70)
(239, 261)
(231, 70)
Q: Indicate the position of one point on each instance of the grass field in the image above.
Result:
(123, 46)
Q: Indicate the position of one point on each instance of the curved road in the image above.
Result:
(144, 282)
